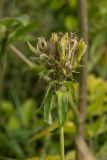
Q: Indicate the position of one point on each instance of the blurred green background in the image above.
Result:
(22, 89)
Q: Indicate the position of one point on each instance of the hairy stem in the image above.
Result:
(62, 144)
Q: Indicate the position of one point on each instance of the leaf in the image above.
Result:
(9, 22)
(15, 148)
(70, 128)
(7, 109)
(95, 52)
(7, 142)
(47, 109)
(49, 157)
(21, 32)
(45, 95)
(13, 123)
(56, 5)
(70, 88)
(71, 155)
(96, 128)
(103, 149)
(70, 22)
(62, 106)
(24, 19)
(27, 111)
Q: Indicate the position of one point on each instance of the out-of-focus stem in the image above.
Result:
(84, 72)
(62, 154)
(43, 133)
(21, 56)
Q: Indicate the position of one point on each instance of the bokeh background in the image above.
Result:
(22, 131)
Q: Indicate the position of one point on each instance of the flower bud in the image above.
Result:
(81, 48)
(42, 44)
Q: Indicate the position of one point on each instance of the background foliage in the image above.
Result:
(22, 89)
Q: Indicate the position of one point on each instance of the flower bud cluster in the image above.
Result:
(61, 52)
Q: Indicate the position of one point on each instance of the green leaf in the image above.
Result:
(56, 5)
(22, 31)
(9, 22)
(24, 19)
(62, 106)
(27, 112)
(15, 148)
(103, 149)
(47, 109)
(70, 88)
(46, 94)
(96, 128)
(7, 109)
(70, 128)
(13, 123)
(70, 22)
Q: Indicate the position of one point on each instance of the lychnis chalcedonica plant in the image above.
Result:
(60, 55)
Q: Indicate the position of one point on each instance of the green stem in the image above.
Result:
(62, 144)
